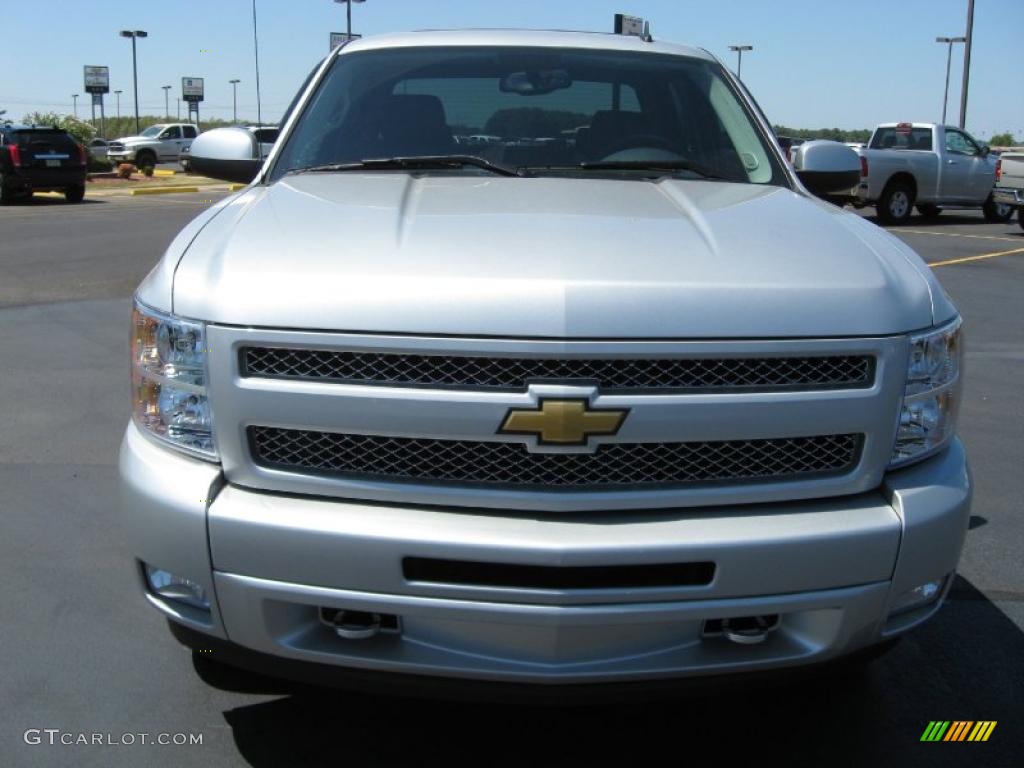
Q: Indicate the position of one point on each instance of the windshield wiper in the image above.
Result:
(423, 162)
(663, 166)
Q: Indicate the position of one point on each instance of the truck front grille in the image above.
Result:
(466, 462)
(513, 374)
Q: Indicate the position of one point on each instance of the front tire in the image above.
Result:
(6, 195)
(997, 213)
(145, 160)
(896, 203)
(1020, 217)
(75, 194)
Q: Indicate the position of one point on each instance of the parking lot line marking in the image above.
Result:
(897, 230)
(979, 257)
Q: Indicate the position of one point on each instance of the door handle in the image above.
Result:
(951, 162)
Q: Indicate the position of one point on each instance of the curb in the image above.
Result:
(162, 190)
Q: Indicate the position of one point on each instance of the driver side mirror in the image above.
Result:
(228, 154)
(827, 167)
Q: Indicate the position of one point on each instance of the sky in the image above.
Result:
(818, 64)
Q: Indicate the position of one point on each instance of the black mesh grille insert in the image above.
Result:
(509, 464)
(755, 373)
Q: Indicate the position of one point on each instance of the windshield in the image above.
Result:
(153, 130)
(544, 109)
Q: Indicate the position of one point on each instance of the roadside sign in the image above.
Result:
(192, 89)
(97, 99)
(97, 79)
(629, 25)
(340, 38)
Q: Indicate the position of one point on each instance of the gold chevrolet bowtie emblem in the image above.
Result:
(563, 422)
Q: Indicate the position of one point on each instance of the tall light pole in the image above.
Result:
(949, 59)
(967, 64)
(348, 14)
(135, 68)
(234, 99)
(117, 95)
(74, 100)
(167, 107)
(739, 58)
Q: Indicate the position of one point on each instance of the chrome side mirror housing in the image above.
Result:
(229, 154)
(827, 167)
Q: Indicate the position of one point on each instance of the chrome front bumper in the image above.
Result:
(829, 569)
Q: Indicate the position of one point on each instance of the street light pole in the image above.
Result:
(74, 100)
(348, 15)
(117, 95)
(739, 58)
(234, 100)
(167, 108)
(967, 64)
(135, 68)
(949, 59)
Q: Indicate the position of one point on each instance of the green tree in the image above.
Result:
(1002, 140)
(81, 130)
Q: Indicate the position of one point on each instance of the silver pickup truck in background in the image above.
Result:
(162, 143)
(1010, 183)
(928, 165)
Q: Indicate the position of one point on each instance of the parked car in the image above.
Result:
(628, 408)
(788, 144)
(928, 165)
(161, 143)
(1010, 182)
(37, 158)
(98, 148)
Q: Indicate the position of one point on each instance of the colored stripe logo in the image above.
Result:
(958, 730)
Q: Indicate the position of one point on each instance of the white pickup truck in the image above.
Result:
(161, 143)
(1010, 182)
(928, 165)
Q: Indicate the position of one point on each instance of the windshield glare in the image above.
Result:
(532, 108)
(153, 130)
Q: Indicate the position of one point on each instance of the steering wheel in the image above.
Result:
(638, 141)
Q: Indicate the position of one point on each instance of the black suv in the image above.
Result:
(37, 158)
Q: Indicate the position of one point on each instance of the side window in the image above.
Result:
(959, 144)
(190, 132)
(171, 133)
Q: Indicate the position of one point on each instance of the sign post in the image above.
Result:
(629, 25)
(340, 38)
(192, 93)
(97, 82)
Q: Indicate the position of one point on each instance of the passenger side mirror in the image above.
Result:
(229, 154)
(826, 167)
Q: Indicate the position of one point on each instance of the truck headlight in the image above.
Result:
(169, 398)
(932, 396)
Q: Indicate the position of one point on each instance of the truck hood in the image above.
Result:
(132, 140)
(547, 257)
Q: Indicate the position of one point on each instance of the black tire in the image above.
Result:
(928, 210)
(145, 159)
(896, 203)
(1020, 217)
(6, 195)
(997, 213)
(75, 194)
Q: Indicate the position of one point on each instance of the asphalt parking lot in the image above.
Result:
(84, 654)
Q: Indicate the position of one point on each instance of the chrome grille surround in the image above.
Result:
(512, 373)
(448, 414)
(464, 462)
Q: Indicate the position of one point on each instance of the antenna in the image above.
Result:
(256, 48)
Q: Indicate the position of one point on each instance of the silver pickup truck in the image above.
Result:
(161, 143)
(928, 165)
(612, 398)
(1010, 182)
